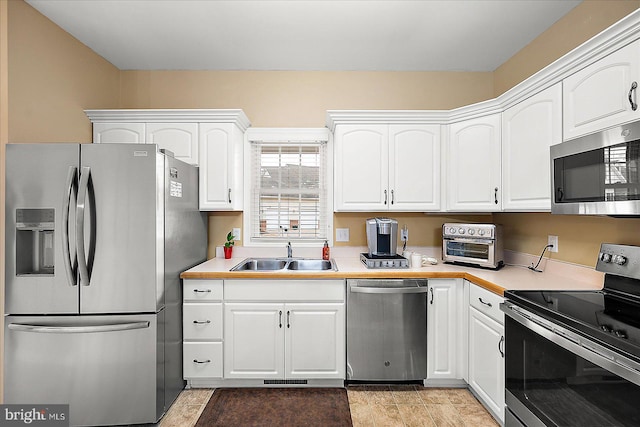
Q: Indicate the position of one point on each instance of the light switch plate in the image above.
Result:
(237, 233)
(342, 234)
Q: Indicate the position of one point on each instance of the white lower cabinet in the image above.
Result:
(256, 332)
(202, 330)
(284, 341)
(445, 331)
(486, 349)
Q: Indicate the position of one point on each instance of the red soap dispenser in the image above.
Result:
(325, 250)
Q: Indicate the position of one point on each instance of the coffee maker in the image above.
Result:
(382, 236)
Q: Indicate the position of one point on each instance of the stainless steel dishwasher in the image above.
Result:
(386, 330)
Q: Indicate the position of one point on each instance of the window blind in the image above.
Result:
(289, 190)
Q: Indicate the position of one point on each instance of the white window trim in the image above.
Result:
(280, 135)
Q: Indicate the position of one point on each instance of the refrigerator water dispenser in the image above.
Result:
(35, 252)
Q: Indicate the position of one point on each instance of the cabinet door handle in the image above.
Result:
(485, 303)
(229, 195)
(501, 346)
(288, 319)
(206, 291)
(201, 322)
(201, 361)
(431, 292)
(280, 319)
(634, 106)
(385, 197)
(495, 195)
(392, 198)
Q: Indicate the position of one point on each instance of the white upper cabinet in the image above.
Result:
(221, 182)
(473, 165)
(414, 167)
(603, 94)
(528, 130)
(211, 139)
(361, 168)
(179, 138)
(387, 167)
(119, 133)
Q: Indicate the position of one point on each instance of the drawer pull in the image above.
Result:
(201, 322)
(201, 361)
(488, 304)
(206, 291)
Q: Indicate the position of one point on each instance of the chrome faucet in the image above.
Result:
(289, 250)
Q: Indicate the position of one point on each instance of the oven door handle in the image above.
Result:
(470, 240)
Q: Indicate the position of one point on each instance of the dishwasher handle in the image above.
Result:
(381, 290)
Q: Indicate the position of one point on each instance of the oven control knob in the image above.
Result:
(481, 232)
(619, 259)
(461, 230)
(606, 328)
(452, 230)
(472, 232)
(604, 257)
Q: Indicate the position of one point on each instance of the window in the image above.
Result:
(288, 198)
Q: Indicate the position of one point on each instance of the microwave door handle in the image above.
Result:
(70, 190)
(80, 209)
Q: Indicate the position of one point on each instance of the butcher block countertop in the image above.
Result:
(556, 275)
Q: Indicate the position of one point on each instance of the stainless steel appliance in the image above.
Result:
(478, 245)
(572, 358)
(96, 237)
(382, 236)
(598, 174)
(382, 241)
(386, 330)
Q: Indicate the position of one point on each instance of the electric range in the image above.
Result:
(573, 357)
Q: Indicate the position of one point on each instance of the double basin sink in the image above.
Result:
(284, 264)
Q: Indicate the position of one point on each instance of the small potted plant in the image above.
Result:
(228, 245)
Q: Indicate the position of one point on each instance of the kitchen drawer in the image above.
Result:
(486, 302)
(202, 290)
(202, 321)
(202, 360)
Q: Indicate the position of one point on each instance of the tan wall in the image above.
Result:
(301, 98)
(53, 78)
(579, 25)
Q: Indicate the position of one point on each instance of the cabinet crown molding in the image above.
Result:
(236, 116)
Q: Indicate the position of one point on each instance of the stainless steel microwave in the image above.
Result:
(598, 174)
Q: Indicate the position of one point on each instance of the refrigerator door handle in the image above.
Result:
(77, 329)
(82, 201)
(71, 189)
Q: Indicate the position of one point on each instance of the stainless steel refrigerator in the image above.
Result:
(96, 237)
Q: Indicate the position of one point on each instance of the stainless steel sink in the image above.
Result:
(310, 264)
(281, 264)
(260, 264)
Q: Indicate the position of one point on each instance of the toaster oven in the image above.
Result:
(478, 245)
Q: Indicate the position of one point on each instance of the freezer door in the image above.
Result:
(40, 273)
(105, 367)
(120, 227)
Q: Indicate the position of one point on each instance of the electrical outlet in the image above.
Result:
(553, 240)
(404, 234)
(342, 234)
(237, 233)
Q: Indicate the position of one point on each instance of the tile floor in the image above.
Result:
(371, 406)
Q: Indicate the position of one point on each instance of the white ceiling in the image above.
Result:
(387, 35)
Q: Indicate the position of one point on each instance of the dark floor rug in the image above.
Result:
(277, 407)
